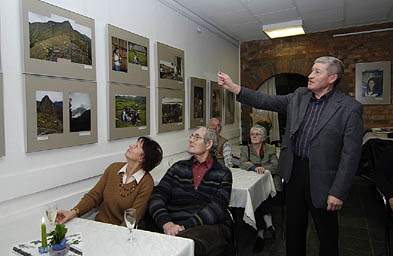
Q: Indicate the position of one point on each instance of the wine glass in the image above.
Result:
(130, 219)
(51, 213)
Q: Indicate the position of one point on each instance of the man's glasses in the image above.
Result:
(195, 137)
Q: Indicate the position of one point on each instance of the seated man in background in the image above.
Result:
(223, 152)
(192, 198)
(123, 185)
(258, 157)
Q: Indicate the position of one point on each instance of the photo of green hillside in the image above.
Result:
(58, 37)
(130, 111)
(137, 54)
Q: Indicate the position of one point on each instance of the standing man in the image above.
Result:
(192, 198)
(223, 152)
(319, 154)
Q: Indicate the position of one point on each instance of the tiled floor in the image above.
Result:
(361, 221)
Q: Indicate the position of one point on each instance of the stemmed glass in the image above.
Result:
(51, 213)
(130, 219)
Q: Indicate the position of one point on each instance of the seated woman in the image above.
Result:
(258, 157)
(123, 185)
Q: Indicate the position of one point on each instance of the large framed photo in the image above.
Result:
(170, 67)
(229, 107)
(128, 57)
(2, 142)
(57, 42)
(198, 102)
(129, 111)
(170, 110)
(216, 100)
(373, 82)
(60, 112)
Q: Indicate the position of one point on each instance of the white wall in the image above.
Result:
(30, 181)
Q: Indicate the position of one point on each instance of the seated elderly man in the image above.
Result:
(192, 198)
(223, 152)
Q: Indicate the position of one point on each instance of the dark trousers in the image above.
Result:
(266, 207)
(210, 240)
(298, 201)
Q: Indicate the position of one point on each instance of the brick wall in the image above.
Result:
(263, 59)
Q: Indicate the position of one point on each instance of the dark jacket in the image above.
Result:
(176, 200)
(336, 142)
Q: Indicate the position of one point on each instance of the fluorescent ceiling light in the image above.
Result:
(284, 29)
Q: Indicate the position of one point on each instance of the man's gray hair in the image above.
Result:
(211, 135)
(334, 66)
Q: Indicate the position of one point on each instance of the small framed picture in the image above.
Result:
(373, 82)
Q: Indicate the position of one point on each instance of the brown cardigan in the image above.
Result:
(111, 205)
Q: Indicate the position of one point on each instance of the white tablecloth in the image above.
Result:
(106, 239)
(249, 190)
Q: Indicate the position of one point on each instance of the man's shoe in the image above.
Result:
(258, 245)
(269, 233)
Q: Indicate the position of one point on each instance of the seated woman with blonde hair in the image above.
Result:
(259, 157)
(123, 185)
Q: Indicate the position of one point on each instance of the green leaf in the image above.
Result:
(58, 234)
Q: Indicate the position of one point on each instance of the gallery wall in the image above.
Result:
(29, 181)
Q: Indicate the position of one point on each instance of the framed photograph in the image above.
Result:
(59, 112)
(128, 57)
(129, 111)
(2, 142)
(170, 67)
(229, 107)
(171, 106)
(198, 102)
(216, 100)
(373, 82)
(57, 42)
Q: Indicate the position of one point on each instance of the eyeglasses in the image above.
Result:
(195, 137)
(256, 134)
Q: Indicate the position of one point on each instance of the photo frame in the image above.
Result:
(130, 63)
(216, 101)
(59, 112)
(171, 109)
(53, 52)
(198, 102)
(170, 64)
(2, 142)
(129, 111)
(373, 82)
(229, 107)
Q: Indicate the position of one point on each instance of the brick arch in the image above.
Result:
(254, 78)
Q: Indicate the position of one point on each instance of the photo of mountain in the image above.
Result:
(59, 37)
(80, 112)
(49, 112)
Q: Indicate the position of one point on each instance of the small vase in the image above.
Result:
(60, 246)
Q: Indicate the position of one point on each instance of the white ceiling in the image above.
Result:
(243, 19)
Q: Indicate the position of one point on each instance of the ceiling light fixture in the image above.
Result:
(284, 29)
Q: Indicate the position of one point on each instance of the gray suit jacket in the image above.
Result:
(336, 142)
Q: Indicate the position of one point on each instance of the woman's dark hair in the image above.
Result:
(152, 153)
(114, 51)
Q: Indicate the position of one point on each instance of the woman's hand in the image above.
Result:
(64, 216)
(260, 170)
